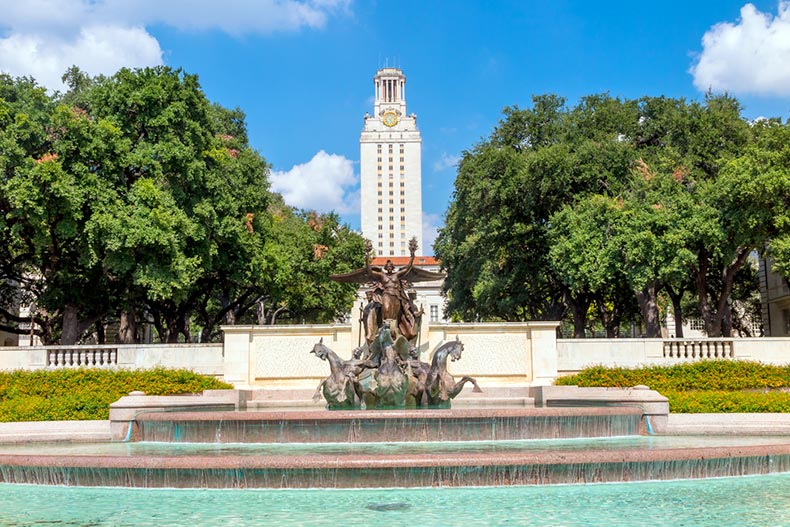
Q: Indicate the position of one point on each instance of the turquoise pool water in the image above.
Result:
(746, 501)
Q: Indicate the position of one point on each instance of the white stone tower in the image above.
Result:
(390, 169)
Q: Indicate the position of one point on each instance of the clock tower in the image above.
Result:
(390, 169)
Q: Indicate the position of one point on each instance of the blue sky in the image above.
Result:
(302, 70)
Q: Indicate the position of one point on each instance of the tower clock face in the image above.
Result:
(389, 118)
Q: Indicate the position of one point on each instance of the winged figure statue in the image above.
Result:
(388, 298)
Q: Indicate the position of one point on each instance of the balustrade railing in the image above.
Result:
(82, 357)
(699, 349)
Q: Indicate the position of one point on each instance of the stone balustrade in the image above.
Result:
(699, 348)
(82, 357)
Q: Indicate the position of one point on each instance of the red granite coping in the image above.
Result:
(340, 415)
(368, 461)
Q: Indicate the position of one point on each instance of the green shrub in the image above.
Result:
(711, 386)
(703, 375)
(86, 394)
(693, 402)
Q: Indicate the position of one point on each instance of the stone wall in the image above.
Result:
(497, 354)
(274, 356)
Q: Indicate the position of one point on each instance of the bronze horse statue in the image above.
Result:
(417, 379)
(341, 389)
(440, 386)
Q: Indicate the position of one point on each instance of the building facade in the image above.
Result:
(775, 297)
(391, 169)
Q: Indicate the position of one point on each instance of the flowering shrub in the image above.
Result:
(712, 386)
(86, 394)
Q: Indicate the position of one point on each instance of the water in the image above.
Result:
(408, 426)
(149, 448)
(747, 501)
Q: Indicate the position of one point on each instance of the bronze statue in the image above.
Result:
(388, 297)
(385, 372)
(440, 386)
(342, 388)
(391, 379)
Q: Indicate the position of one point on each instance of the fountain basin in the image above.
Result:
(359, 470)
(467, 424)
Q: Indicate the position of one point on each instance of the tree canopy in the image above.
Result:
(133, 199)
(614, 201)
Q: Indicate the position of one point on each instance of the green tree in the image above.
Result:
(133, 198)
(562, 206)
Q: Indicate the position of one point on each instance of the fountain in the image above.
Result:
(391, 431)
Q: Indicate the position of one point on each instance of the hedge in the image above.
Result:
(710, 386)
(86, 394)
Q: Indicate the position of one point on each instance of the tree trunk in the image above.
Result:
(73, 327)
(260, 311)
(648, 304)
(183, 327)
(579, 307)
(101, 336)
(677, 310)
(715, 320)
(726, 322)
(127, 332)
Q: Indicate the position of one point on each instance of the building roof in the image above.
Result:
(403, 260)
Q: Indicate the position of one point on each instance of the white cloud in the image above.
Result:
(96, 50)
(446, 161)
(750, 56)
(231, 16)
(430, 230)
(43, 38)
(325, 183)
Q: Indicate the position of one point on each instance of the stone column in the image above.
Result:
(237, 355)
(543, 347)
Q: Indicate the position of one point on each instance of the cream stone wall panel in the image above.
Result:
(280, 355)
